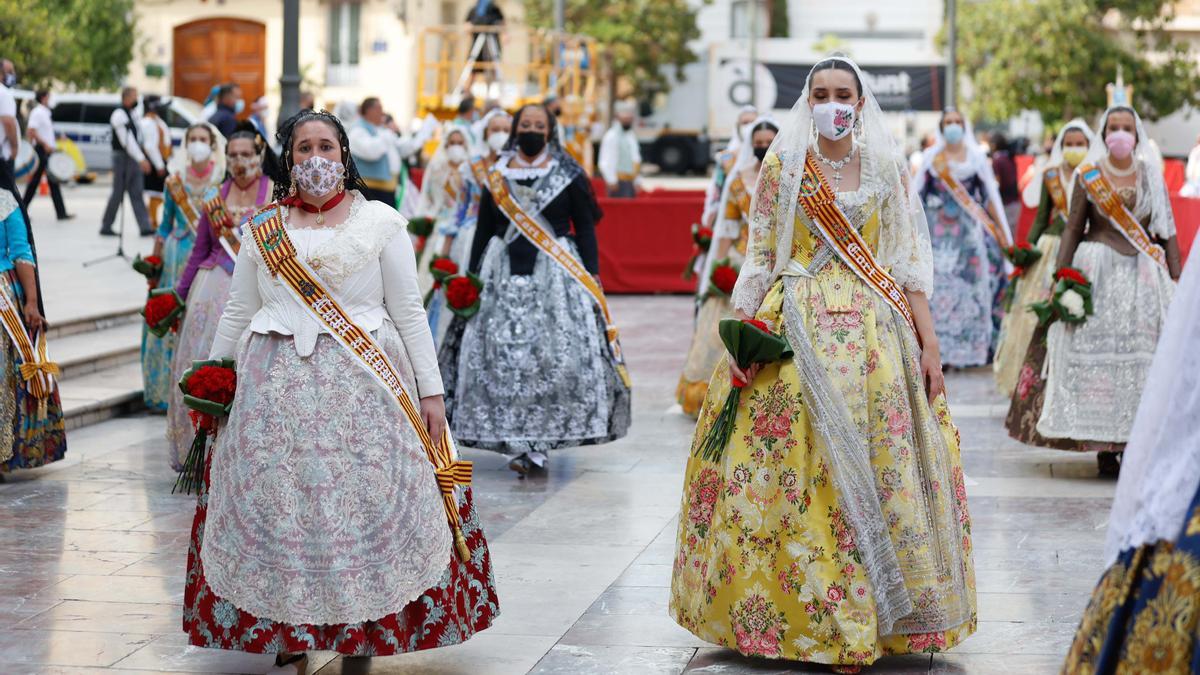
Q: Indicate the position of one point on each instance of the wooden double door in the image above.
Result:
(215, 51)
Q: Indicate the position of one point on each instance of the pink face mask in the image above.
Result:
(1120, 144)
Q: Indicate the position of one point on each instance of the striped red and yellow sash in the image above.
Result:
(182, 202)
(543, 238)
(37, 370)
(1107, 200)
(279, 253)
(820, 205)
(1058, 196)
(942, 167)
(222, 224)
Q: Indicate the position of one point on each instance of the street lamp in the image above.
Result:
(289, 80)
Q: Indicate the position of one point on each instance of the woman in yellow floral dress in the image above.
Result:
(729, 240)
(834, 527)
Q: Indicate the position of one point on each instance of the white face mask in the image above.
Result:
(199, 151)
(456, 154)
(834, 120)
(497, 141)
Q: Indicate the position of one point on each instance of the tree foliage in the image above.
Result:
(779, 18)
(1056, 56)
(644, 36)
(81, 43)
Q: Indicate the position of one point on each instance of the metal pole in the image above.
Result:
(754, 52)
(952, 52)
(289, 80)
(560, 15)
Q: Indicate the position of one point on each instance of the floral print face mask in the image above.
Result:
(318, 176)
(245, 167)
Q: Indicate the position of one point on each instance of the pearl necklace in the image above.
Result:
(1119, 173)
(836, 165)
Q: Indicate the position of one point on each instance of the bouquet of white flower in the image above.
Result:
(1071, 301)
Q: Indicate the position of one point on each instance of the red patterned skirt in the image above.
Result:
(463, 603)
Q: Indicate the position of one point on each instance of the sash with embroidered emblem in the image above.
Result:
(1107, 200)
(1058, 196)
(222, 224)
(37, 370)
(179, 194)
(279, 254)
(942, 168)
(543, 238)
(820, 205)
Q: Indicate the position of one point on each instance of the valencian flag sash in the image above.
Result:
(543, 238)
(37, 370)
(820, 205)
(222, 223)
(180, 196)
(1103, 195)
(942, 168)
(279, 253)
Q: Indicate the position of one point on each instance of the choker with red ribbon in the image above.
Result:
(295, 200)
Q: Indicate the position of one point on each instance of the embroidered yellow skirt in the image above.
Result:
(1016, 330)
(766, 563)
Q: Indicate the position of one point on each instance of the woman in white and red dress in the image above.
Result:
(320, 525)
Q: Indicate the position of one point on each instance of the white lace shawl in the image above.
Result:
(1160, 471)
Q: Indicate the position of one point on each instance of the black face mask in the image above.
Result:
(761, 153)
(626, 125)
(531, 143)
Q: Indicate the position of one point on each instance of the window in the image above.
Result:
(97, 113)
(67, 112)
(741, 19)
(344, 39)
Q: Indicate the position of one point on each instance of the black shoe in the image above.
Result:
(1109, 464)
(148, 233)
(69, 216)
(107, 233)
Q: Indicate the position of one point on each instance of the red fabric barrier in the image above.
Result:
(646, 242)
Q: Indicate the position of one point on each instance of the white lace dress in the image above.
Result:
(322, 507)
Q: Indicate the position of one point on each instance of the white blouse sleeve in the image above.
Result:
(403, 302)
(904, 245)
(244, 302)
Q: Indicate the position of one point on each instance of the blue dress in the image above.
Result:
(178, 236)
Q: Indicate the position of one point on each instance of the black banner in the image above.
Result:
(898, 88)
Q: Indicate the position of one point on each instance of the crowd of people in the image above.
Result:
(829, 521)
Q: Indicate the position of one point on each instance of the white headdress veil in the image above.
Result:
(179, 161)
(977, 160)
(735, 138)
(1153, 201)
(1032, 193)
(917, 588)
(439, 170)
(480, 147)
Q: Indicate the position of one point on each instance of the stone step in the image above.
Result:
(80, 354)
(101, 395)
(93, 322)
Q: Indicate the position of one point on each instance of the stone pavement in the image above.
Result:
(92, 549)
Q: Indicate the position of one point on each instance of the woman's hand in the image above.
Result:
(433, 413)
(931, 371)
(744, 376)
(34, 321)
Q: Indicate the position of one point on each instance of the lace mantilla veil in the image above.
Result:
(1153, 201)
(919, 578)
(1032, 193)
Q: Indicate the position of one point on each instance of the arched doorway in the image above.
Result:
(213, 51)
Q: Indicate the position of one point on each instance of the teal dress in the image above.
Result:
(178, 236)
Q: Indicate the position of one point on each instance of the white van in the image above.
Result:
(83, 118)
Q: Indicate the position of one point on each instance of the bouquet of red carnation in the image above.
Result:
(442, 268)
(463, 295)
(208, 389)
(162, 311)
(1070, 302)
(749, 342)
(1023, 256)
(421, 228)
(701, 241)
(150, 267)
(723, 278)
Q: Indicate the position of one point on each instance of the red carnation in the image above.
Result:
(1072, 274)
(154, 260)
(213, 383)
(724, 278)
(758, 324)
(461, 293)
(444, 265)
(702, 236)
(159, 309)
